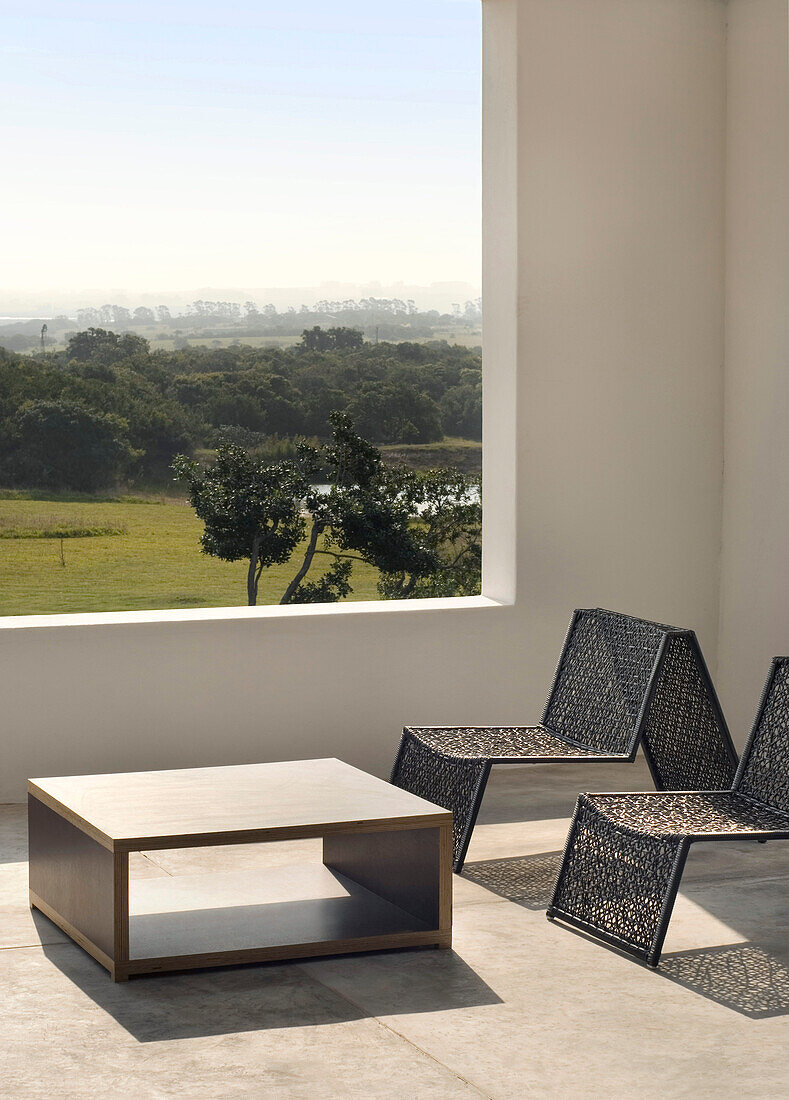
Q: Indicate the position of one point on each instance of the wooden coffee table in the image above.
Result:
(385, 880)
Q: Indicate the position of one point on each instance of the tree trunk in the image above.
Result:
(309, 554)
(252, 575)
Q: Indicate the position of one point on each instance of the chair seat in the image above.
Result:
(504, 743)
(689, 813)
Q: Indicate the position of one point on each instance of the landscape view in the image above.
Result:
(166, 448)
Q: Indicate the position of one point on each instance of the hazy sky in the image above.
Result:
(176, 144)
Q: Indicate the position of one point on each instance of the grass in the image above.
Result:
(162, 342)
(461, 454)
(32, 529)
(153, 562)
(163, 338)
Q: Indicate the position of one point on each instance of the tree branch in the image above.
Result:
(309, 554)
(337, 554)
(252, 579)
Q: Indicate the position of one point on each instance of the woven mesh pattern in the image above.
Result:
(448, 782)
(602, 679)
(689, 813)
(766, 771)
(489, 742)
(682, 731)
(616, 876)
(593, 712)
(615, 880)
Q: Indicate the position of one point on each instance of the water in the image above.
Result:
(32, 317)
(472, 496)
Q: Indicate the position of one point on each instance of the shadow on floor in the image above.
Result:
(745, 977)
(537, 792)
(261, 997)
(749, 979)
(526, 880)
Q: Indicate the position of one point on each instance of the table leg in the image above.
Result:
(412, 868)
(81, 886)
(445, 860)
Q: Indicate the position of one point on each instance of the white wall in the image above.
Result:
(603, 268)
(755, 564)
(622, 127)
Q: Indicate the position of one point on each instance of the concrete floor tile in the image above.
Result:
(255, 1031)
(736, 860)
(239, 857)
(539, 792)
(521, 838)
(528, 880)
(520, 1007)
(744, 910)
(19, 926)
(571, 1017)
(13, 833)
(140, 866)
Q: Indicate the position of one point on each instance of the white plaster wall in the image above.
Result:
(603, 153)
(754, 622)
(621, 124)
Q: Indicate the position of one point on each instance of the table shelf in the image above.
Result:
(278, 907)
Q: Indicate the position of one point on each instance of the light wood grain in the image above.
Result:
(120, 903)
(445, 885)
(244, 803)
(395, 848)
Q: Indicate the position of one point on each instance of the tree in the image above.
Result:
(105, 347)
(422, 532)
(250, 510)
(338, 338)
(144, 316)
(63, 445)
(461, 407)
(357, 519)
(448, 527)
(395, 411)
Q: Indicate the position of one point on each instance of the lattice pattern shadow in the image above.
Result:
(527, 880)
(625, 853)
(746, 978)
(621, 682)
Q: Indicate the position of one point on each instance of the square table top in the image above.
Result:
(187, 807)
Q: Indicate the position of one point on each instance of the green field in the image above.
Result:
(164, 338)
(153, 562)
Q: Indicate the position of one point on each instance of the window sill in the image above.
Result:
(234, 614)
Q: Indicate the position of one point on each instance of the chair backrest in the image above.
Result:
(684, 734)
(622, 680)
(602, 680)
(764, 769)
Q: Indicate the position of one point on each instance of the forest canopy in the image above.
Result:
(144, 406)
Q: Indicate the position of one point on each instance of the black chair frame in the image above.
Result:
(625, 853)
(626, 683)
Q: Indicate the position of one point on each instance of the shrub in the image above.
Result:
(63, 445)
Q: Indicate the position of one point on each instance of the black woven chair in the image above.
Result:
(625, 853)
(621, 682)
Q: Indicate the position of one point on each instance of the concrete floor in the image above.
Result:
(519, 1008)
